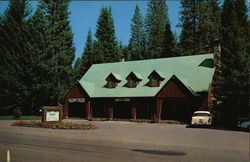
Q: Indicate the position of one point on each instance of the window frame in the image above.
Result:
(154, 76)
(131, 83)
(154, 82)
(112, 82)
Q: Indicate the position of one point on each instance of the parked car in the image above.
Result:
(245, 125)
(201, 118)
(241, 120)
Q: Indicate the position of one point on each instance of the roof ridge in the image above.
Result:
(151, 59)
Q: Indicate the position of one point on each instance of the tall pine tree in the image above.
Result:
(87, 59)
(137, 42)
(155, 26)
(170, 43)
(159, 35)
(106, 44)
(120, 48)
(200, 25)
(61, 45)
(41, 60)
(232, 82)
(15, 63)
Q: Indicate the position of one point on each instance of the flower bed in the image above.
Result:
(66, 125)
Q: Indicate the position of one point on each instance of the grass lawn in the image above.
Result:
(22, 118)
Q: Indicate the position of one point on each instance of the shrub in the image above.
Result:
(17, 113)
(63, 125)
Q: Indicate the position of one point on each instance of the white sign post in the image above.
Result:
(52, 116)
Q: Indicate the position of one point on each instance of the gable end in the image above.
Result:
(174, 88)
(76, 91)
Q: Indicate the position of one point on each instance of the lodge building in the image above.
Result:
(161, 89)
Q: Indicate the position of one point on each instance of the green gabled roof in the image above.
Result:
(117, 76)
(186, 68)
(160, 74)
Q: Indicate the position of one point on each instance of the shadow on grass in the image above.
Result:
(159, 152)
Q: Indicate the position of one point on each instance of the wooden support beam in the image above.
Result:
(111, 112)
(158, 109)
(66, 109)
(91, 112)
(133, 109)
(88, 109)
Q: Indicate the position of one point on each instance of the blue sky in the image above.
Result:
(84, 15)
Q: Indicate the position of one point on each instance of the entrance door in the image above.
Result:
(145, 109)
(175, 110)
(98, 109)
(122, 110)
(77, 109)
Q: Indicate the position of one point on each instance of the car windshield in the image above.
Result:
(201, 114)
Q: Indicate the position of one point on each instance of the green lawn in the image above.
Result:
(22, 118)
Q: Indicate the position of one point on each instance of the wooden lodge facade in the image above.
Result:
(161, 89)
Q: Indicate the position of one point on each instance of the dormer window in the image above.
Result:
(154, 82)
(111, 84)
(133, 80)
(131, 83)
(155, 79)
(112, 80)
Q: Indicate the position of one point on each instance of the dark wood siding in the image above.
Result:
(173, 89)
(76, 92)
(204, 103)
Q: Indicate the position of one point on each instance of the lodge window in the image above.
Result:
(133, 80)
(155, 79)
(153, 82)
(131, 83)
(111, 84)
(112, 80)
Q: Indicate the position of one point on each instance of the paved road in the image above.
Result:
(122, 141)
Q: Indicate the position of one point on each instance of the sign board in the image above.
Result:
(72, 100)
(52, 116)
(122, 99)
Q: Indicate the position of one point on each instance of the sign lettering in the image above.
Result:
(52, 116)
(81, 100)
(122, 99)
